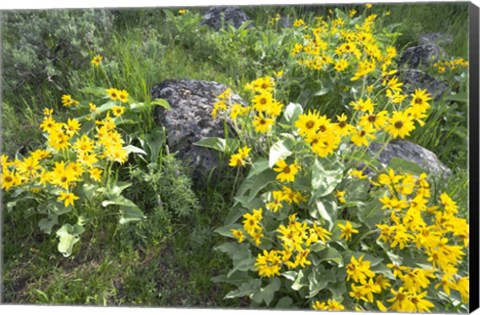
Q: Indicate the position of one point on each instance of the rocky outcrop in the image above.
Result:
(218, 17)
(190, 120)
(411, 152)
(418, 79)
(416, 61)
(421, 55)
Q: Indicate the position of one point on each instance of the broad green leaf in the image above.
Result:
(138, 107)
(69, 236)
(227, 230)
(402, 165)
(266, 294)
(338, 289)
(290, 275)
(97, 91)
(235, 251)
(291, 112)
(284, 303)
(129, 214)
(278, 152)
(236, 278)
(319, 279)
(87, 125)
(89, 190)
(332, 255)
(155, 141)
(300, 282)
(258, 167)
(133, 149)
(384, 270)
(250, 187)
(46, 224)
(118, 200)
(162, 103)
(245, 264)
(461, 97)
(215, 143)
(325, 180)
(118, 188)
(347, 255)
(59, 208)
(325, 208)
(322, 91)
(246, 289)
(371, 213)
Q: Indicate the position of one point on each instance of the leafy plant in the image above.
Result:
(310, 227)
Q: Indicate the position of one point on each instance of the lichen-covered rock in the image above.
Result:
(218, 17)
(421, 80)
(411, 152)
(190, 119)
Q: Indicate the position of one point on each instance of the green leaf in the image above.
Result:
(284, 303)
(322, 91)
(215, 143)
(237, 252)
(250, 187)
(69, 236)
(87, 126)
(138, 107)
(89, 191)
(300, 282)
(236, 278)
(402, 165)
(133, 149)
(290, 275)
(129, 214)
(242, 265)
(46, 224)
(278, 152)
(292, 111)
(461, 97)
(267, 293)
(246, 289)
(374, 261)
(332, 255)
(371, 213)
(97, 91)
(162, 103)
(226, 230)
(325, 208)
(324, 181)
(319, 279)
(258, 167)
(155, 141)
(119, 201)
(117, 189)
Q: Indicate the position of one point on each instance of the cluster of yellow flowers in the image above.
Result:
(450, 65)
(324, 136)
(69, 158)
(435, 232)
(265, 108)
(334, 44)
(295, 241)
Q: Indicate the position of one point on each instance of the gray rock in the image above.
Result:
(217, 17)
(418, 79)
(411, 152)
(190, 120)
(417, 56)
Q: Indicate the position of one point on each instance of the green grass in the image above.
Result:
(119, 266)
